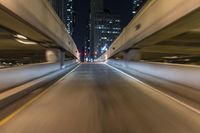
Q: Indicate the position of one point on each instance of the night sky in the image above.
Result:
(121, 7)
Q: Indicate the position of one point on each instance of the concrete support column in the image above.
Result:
(62, 59)
(133, 54)
(55, 56)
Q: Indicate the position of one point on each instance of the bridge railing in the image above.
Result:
(187, 75)
(12, 77)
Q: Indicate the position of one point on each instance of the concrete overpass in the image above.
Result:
(38, 24)
(161, 29)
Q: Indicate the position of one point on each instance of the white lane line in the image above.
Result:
(66, 75)
(170, 97)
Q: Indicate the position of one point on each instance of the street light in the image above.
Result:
(20, 36)
(26, 42)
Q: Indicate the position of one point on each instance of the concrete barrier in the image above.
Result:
(187, 75)
(13, 94)
(69, 63)
(12, 77)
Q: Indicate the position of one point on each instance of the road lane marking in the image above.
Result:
(170, 97)
(8, 118)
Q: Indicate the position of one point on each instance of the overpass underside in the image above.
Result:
(183, 47)
(27, 32)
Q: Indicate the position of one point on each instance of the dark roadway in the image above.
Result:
(97, 99)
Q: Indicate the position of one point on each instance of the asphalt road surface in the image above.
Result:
(98, 99)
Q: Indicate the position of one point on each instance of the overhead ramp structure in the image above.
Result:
(38, 23)
(36, 42)
(162, 28)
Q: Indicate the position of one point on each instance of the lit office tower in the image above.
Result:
(104, 28)
(107, 29)
(137, 5)
(96, 6)
(64, 9)
(69, 15)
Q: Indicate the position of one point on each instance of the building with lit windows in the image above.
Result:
(65, 11)
(137, 5)
(107, 29)
(69, 18)
(87, 44)
(104, 28)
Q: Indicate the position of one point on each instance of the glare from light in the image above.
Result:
(187, 59)
(20, 36)
(26, 42)
(171, 57)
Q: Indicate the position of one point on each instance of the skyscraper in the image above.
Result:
(137, 5)
(65, 11)
(107, 29)
(69, 19)
(104, 28)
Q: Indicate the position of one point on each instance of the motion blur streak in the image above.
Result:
(97, 99)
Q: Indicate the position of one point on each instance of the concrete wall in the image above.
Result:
(12, 77)
(182, 74)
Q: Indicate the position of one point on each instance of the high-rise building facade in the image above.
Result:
(107, 29)
(137, 5)
(104, 28)
(87, 44)
(65, 11)
(69, 18)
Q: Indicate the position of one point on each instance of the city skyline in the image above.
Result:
(67, 10)
(124, 10)
(102, 25)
